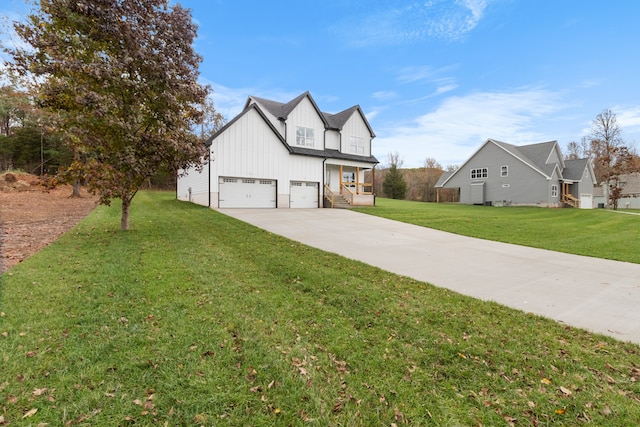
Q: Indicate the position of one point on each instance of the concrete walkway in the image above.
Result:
(595, 294)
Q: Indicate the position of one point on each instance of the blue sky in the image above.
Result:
(435, 78)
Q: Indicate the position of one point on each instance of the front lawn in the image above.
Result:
(194, 318)
(593, 232)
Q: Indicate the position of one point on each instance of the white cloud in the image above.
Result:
(459, 125)
(384, 95)
(401, 23)
(629, 122)
(628, 118)
(424, 73)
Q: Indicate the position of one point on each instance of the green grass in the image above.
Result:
(593, 232)
(193, 318)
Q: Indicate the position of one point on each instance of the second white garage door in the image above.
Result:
(247, 193)
(303, 194)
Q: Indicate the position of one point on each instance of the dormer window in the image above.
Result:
(304, 136)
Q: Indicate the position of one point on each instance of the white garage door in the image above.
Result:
(247, 193)
(303, 194)
(586, 201)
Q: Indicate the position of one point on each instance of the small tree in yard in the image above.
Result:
(611, 158)
(119, 78)
(619, 169)
(604, 143)
(394, 185)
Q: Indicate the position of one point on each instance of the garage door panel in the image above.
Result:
(303, 195)
(247, 193)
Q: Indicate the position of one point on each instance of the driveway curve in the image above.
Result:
(599, 295)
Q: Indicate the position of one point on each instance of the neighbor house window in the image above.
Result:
(504, 171)
(554, 190)
(356, 145)
(479, 173)
(304, 136)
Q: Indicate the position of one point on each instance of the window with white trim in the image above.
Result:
(356, 145)
(554, 190)
(479, 173)
(504, 171)
(304, 136)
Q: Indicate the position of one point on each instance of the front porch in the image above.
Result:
(345, 187)
(566, 197)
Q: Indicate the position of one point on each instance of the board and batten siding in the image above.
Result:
(250, 149)
(278, 124)
(356, 126)
(305, 115)
(194, 187)
(332, 140)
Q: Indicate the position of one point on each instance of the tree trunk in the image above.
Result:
(126, 208)
(76, 189)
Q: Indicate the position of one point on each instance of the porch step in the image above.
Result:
(339, 202)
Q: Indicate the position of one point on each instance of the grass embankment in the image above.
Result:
(592, 232)
(193, 318)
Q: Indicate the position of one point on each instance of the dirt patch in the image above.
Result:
(32, 216)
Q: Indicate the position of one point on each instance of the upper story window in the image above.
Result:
(356, 145)
(304, 136)
(504, 171)
(479, 173)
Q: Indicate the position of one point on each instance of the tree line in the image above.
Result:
(611, 157)
(25, 142)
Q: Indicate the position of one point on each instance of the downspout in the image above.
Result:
(209, 144)
(324, 172)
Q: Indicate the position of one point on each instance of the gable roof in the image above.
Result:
(518, 153)
(444, 178)
(282, 110)
(631, 187)
(537, 156)
(338, 120)
(574, 169)
(251, 107)
(331, 121)
(326, 153)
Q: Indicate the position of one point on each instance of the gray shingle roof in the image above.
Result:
(535, 155)
(445, 175)
(332, 121)
(281, 111)
(337, 121)
(332, 154)
(573, 169)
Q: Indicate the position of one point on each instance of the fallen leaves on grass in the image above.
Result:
(565, 391)
(30, 413)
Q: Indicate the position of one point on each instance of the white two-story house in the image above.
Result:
(285, 155)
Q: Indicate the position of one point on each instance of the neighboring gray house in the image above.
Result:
(504, 174)
(630, 192)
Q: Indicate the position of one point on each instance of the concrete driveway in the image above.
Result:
(595, 294)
